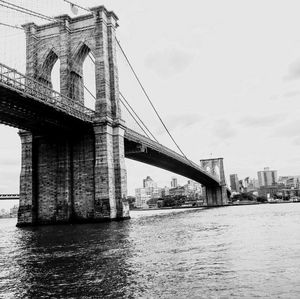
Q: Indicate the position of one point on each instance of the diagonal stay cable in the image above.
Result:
(131, 108)
(149, 100)
(35, 14)
(30, 12)
(138, 117)
(134, 118)
(125, 108)
(89, 92)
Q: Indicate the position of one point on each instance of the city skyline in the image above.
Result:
(218, 91)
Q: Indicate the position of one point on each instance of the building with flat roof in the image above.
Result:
(289, 181)
(174, 183)
(267, 177)
(149, 191)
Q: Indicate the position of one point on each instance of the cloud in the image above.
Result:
(169, 61)
(290, 129)
(291, 94)
(223, 129)
(296, 142)
(262, 120)
(180, 121)
(294, 71)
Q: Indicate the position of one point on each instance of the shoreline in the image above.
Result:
(209, 207)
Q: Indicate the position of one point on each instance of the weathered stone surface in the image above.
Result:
(27, 204)
(215, 195)
(78, 178)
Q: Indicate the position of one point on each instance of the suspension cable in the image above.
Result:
(134, 118)
(149, 100)
(11, 26)
(26, 11)
(74, 4)
(131, 108)
(35, 14)
(138, 116)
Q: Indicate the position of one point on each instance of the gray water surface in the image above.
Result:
(230, 252)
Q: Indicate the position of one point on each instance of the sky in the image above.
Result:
(224, 76)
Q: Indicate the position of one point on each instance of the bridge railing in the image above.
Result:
(163, 149)
(13, 79)
(9, 196)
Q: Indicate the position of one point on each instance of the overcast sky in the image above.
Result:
(224, 75)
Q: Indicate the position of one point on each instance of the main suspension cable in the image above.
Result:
(125, 108)
(11, 26)
(138, 117)
(134, 118)
(26, 11)
(74, 4)
(149, 100)
(44, 17)
(131, 108)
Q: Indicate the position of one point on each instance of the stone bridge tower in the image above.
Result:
(215, 196)
(78, 177)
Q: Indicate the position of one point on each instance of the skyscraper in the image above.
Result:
(148, 182)
(267, 177)
(174, 183)
(149, 191)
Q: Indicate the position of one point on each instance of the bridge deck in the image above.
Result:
(27, 104)
(143, 149)
(9, 196)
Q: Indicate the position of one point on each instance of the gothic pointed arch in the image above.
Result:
(80, 53)
(77, 81)
(47, 64)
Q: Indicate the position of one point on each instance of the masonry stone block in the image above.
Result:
(77, 177)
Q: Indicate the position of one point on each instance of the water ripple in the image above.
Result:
(233, 252)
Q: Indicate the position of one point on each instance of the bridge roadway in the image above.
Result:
(27, 104)
(9, 196)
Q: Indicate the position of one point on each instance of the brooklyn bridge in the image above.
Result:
(73, 158)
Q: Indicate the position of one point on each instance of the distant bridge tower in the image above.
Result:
(75, 176)
(215, 196)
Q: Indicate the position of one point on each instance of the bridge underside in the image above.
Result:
(72, 178)
(140, 149)
(25, 112)
(69, 175)
(147, 155)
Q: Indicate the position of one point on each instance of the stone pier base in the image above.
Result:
(72, 179)
(216, 196)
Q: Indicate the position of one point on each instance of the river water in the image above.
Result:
(229, 252)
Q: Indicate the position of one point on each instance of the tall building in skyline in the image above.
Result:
(252, 184)
(234, 183)
(148, 182)
(149, 191)
(193, 189)
(267, 177)
(174, 183)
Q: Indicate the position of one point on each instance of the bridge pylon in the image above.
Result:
(75, 176)
(215, 195)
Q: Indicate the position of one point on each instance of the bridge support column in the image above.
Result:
(27, 206)
(216, 196)
(110, 173)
